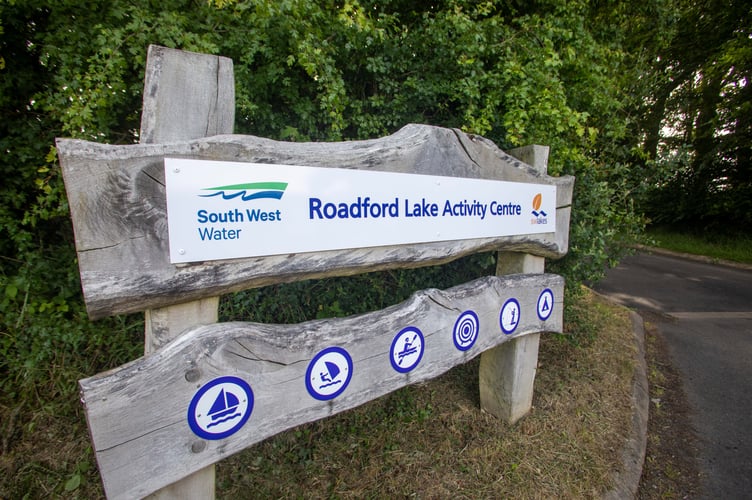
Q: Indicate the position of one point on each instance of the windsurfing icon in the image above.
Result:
(330, 376)
(329, 373)
(220, 407)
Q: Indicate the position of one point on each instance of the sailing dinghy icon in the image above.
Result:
(220, 407)
(224, 408)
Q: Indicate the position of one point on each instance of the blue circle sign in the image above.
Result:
(407, 349)
(329, 373)
(545, 304)
(466, 330)
(509, 317)
(220, 408)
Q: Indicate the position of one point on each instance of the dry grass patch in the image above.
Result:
(432, 440)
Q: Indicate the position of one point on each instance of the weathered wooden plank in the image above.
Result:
(138, 414)
(117, 200)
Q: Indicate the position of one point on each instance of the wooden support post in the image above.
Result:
(186, 96)
(507, 372)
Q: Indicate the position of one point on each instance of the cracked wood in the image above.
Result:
(138, 413)
(117, 201)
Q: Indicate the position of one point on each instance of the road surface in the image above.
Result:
(704, 313)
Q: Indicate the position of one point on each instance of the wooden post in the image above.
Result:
(186, 96)
(507, 372)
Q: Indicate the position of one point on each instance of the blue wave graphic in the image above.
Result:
(234, 415)
(277, 195)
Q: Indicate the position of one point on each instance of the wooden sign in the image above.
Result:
(118, 205)
(220, 388)
(203, 392)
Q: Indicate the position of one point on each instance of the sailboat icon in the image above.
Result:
(224, 408)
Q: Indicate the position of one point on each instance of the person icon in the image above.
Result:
(407, 349)
(509, 317)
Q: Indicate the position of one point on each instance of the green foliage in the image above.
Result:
(698, 132)
(729, 246)
(518, 73)
(336, 297)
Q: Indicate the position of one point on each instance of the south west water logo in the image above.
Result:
(541, 217)
(226, 224)
(248, 191)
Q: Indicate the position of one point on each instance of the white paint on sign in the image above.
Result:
(226, 210)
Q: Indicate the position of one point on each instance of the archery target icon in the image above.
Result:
(466, 330)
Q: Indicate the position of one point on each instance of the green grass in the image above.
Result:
(736, 248)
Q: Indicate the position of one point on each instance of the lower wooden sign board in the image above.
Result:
(221, 388)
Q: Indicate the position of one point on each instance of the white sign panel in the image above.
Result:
(227, 210)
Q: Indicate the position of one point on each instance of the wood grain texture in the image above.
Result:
(117, 200)
(138, 413)
(186, 96)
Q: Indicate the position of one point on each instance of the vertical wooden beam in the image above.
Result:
(507, 372)
(186, 96)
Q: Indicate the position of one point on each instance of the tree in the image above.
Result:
(518, 73)
(697, 129)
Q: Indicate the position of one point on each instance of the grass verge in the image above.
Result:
(427, 441)
(736, 248)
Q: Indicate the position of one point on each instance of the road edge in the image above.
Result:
(627, 479)
(690, 256)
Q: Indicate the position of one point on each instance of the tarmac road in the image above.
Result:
(704, 313)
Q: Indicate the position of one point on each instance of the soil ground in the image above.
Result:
(671, 468)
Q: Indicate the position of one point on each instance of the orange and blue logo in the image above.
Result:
(540, 215)
(248, 191)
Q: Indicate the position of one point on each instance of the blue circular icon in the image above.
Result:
(509, 317)
(329, 373)
(220, 408)
(466, 330)
(407, 349)
(545, 304)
